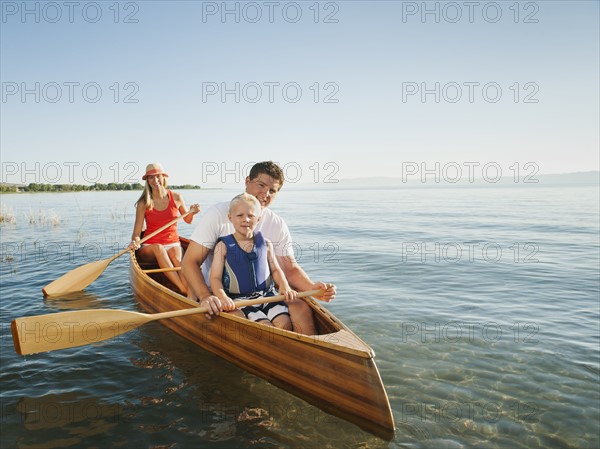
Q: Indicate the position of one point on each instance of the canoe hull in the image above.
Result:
(335, 371)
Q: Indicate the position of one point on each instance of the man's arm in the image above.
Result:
(193, 258)
(300, 281)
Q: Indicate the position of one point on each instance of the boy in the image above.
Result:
(244, 266)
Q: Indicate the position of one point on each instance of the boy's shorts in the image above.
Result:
(268, 311)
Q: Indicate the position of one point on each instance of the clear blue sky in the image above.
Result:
(96, 90)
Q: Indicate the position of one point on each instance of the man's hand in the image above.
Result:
(213, 304)
(329, 290)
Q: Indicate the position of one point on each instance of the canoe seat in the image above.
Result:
(148, 265)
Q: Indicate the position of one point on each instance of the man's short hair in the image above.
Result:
(269, 168)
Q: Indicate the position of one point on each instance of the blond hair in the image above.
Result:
(248, 199)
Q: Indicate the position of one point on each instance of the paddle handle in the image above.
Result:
(152, 234)
(238, 304)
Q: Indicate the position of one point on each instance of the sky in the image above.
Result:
(332, 90)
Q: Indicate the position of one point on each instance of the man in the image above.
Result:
(264, 182)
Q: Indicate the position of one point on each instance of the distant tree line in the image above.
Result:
(35, 187)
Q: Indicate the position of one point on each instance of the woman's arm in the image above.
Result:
(180, 203)
(140, 214)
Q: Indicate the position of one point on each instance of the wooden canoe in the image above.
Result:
(334, 370)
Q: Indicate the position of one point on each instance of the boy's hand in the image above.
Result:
(290, 295)
(228, 304)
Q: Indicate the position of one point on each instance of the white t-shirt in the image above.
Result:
(215, 223)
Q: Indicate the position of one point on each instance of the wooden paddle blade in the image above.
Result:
(69, 329)
(77, 279)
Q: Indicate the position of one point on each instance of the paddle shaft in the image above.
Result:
(152, 234)
(81, 327)
(161, 270)
(238, 304)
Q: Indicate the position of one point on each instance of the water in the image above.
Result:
(482, 305)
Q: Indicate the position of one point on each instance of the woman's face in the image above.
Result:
(156, 180)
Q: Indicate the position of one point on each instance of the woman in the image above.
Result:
(157, 206)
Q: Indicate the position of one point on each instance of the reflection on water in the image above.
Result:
(75, 301)
(62, 410)
(63, 420)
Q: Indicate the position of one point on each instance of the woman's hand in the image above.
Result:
(134, 244)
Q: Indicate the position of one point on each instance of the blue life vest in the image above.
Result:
(246, 273)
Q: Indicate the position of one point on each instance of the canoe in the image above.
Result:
(334, 370)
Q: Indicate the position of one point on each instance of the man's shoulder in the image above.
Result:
(269, 215)
(273, 225)
(212, 224)
(220, 206)
(218, 210)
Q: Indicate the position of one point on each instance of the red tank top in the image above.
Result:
(157, 218)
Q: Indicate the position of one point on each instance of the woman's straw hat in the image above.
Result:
(153, 170)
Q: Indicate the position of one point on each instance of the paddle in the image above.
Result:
(79, 278)
(81, 327)
(162, 270)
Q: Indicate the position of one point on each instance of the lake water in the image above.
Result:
(481, 303)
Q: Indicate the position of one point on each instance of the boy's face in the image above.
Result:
(264, 188)
(244, 217)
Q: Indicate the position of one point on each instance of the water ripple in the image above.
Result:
(488, 350)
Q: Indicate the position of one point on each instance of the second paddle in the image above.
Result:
(62, 330)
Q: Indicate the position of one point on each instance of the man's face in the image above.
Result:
(264, 188)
